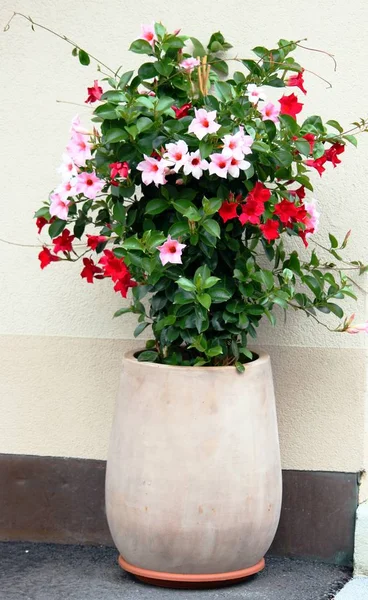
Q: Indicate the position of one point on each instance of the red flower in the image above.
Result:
(270, 230)
(119, 168)
(63, 243)
(123, 285)
(297, 81)
(251, 211)
(290, 105)
(228, 211)
(41, 222)
(311, 138)
(260, 193)
(317, 164)
(91, 270)
(94, 93)
(46, 257)
(182, 111)
(286, 211)
(113, 266)
(332, 153)
(300, 192)
(94, 240)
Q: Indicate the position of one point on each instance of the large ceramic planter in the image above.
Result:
(193, 484)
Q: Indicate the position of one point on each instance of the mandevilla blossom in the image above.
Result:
(332, 153)
(89, 184)
(290, 105)
(63, 243)
(317, 164)
(67, 188)
(195, 165)
(297, 81)
(94, 240)
(45, 257)
(79, 149)
(228, 210)
(235, 165)
(189, 64)
(246, 141)
(94, 93)
(171, 251)
(116, 268)
(59, 206)
(219, 165)
(233, 146)
(312, 222)
(286, 210)
(77, 127)
(153, 170)
(91, 271)
(67, 168)
(270, 112)
(358, 327)
(177, 154)
(40, 223)
(270, 230)
(182, 111)
(252, 210)
(203, 123)
(119, 168)
(255, 93)
(148, 33)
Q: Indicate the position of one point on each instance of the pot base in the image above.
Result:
(190, 581)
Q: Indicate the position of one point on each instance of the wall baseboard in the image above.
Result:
(61, 500)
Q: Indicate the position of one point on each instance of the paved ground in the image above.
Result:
(356, 589)
(53, 572)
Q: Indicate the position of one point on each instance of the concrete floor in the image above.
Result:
(356, 589)
(56, 572)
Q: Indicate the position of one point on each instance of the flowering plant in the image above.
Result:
(186, 189)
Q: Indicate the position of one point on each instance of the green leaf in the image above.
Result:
(224, 90)
(132, 243)
(179, 229)
(219, 293)
(198, 49)
(283, 157)
(119, 212)
(313, 125)
(333, 241)
(42, 212)
(84, 58)
(335, 309)
(106, 111)
(141, 327)
(214, 351)
(125, 78)
(186, 284)
(239, 367)
(147, 70)
(115, 135)
(335, 125)
(205, 300)
(352, 139)
(205, 148)
(141, 47)
(210, 282)
(147, 356)
(164, 103)
(122, 311)
(156, 206)
(143, 123)
(303, 147)
(211, 206)
(313, 284)
(56, 228)
(184, 297)
(212, 227)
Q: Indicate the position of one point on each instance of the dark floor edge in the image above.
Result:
(61, 500)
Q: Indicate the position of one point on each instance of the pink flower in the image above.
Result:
(67, 188)
(233, 146)
(59, 206)
(170, 251)
(153, 170)
(79, 149)
(148, 33)
(189, 64)
(312, 221)
(177, 154)
(255, 93)
(94, 93)
(270, 112)
(67, 168)
(195, 165)
(203, 123)
(236, 164)
(78, 128)
(219, 165)
(246, 141)
(89, 184)
(358, 328)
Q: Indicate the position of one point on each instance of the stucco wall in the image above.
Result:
(60, 349)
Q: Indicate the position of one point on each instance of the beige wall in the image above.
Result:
(60, 349)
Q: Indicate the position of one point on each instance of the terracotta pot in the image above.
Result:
(193, 484)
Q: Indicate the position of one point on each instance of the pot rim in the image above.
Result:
(129, 357)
